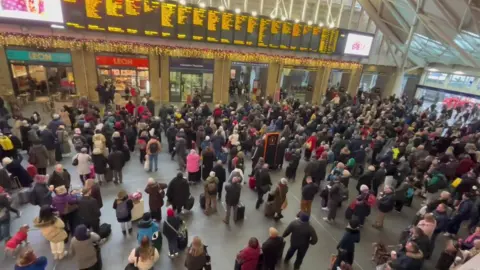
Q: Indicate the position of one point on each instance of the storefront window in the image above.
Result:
(248, 78)
(297, 82)
(368, 81)
(436, 78)
(459, 81)
(190, 76)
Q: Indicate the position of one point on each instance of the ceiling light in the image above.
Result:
(331, 25)
(309, 22)
(284, 18)
(458, 72)
(57, 26)
(433, 69)
(297, 20)
(183, 2)
(272, 16)
(202, 5)
(320, 24)
(221, 8)
(254, 13)
(237, 10)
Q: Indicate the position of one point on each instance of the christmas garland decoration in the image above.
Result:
(56, 42)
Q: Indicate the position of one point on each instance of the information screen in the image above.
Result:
(169, 19)
(306, 37)
(228, 21)
(315, 41)
(296, 36)
(264, 32)
(286, 35)
(213, 25)
(328, 41)
(184, 22)
(276, 34)
(40, 10)
(95, 13)
(240, 34)
(252, 32)
(122, 16)
(199, 24)
(74, 13)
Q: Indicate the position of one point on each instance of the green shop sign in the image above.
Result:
(38, 56)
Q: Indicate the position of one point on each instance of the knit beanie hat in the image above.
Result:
(170, 212)
(304, 217)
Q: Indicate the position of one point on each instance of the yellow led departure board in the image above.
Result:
(169, 18)
(199, 23)
(213, 25)
(227, 27)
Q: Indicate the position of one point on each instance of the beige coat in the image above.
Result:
(53, 231)
(143, 264)
(65, 116)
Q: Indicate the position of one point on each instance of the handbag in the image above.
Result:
(132, 266)
(180, 234)
(75, 161)
(208, 260)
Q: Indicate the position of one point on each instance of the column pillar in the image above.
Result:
(224, 95)
(354, 82)
(85, 72)
(164, 91)
(217, 80)
(321, 84)
(394, 85)
(6, 87)
(154, 76)
(273, 79)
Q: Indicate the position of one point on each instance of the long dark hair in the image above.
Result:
(46, 214)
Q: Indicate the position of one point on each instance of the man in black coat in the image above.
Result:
(272, 249)
(310, 170)
(89, 211)
(379, 178)
(263, 184)
(116, 161)
(366, 178)
(321, 171)
(221, 174)
(178, 192)
(60, 177)
(303, 235)
(48, 139)
(386, 202)
(308, 193)
(232, 198)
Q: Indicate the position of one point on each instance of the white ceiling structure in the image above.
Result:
(408, 33)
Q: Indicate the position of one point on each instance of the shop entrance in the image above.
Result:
(184, 85)
(190, 84)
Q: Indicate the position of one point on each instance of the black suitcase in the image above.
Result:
(105, 230)
(108, 175)
(182, 241)
(190, 202)
(240, 214)
(202, 201)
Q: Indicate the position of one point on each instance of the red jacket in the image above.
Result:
(130, 108)
(141, 109)
(16, 240)
(133, 93)
(249, 256)
(464, 166)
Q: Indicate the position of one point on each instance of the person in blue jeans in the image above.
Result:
(5, 209)
(153, 148)
(170, 229)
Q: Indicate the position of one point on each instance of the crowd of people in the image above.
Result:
(393, 148)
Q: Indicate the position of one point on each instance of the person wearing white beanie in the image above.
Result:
(211, 190)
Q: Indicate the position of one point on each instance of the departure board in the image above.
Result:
(95, 13)
(328, 41)
(151, 15)
(122, 16)
(184, 22)
(240, 33)
(213, 25)
(264, 32)
(228, 22)
(168, 19)
(275, 34)
(306, 37)
(296, 36)
(74, 13)
(252, 31)
(315, 40)
(199, 23)
(286, 35)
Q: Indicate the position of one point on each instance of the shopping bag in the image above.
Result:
(146, 164)
(333, 258)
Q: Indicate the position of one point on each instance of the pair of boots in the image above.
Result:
(129, 232)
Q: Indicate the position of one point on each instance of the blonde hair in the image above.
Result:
(429, 217)
(273, 232)
(89, 183)
(121, 194)
(197, 247)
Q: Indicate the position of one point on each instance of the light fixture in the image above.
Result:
(272, 16)
(297, 20)
(458, 72)
(221, 8)
(433, 69)
(183, 2)
(254, 13)
(309, 22)
(284, 18)
(202, 5)
(320, 24)
(237, 10)
(57, 26)
(331, 25)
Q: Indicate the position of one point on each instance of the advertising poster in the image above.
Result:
(35, 10)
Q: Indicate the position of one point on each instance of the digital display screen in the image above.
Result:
(286, 35)
(276, 34)
(240, 34)
(199, 24)
(264, 32)
(296, 36)
(252, 31)
(38, 10)
(184, 22)
(328, 41)
(74, 14)
(358, 44)
(95, 13)
(228, 22)
(213, 25)
(306, 37)
(315, 40)
(151, 13)
(168, 19)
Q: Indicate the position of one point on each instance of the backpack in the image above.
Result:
(351, 163)
(122, 210)
(142, 144)
(212, 188)
(153, 147)
(6, 143)
(77, 142)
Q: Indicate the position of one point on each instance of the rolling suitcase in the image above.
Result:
(202, 201)
(190, 202)
(269, 211)
(240, 212)
(252, 182)
(24, 195)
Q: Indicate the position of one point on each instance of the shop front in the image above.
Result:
(247, 79)
(297, 83)
(41, 73)
(124, 71)
(190, 76)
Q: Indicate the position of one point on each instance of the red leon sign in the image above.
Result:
(121, 61)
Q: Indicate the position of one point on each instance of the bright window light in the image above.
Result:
(433, 69)
(202, 5)
(458, 72)
(221, 8)
(254, 13)
(237, 10)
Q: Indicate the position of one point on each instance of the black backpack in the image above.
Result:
(153, 148)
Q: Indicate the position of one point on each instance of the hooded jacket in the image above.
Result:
(40, 194)
(156, 195)
(89, 210)
(116, 160)
(146, 228)
(38, 156)
(84, 251)
(52, 230)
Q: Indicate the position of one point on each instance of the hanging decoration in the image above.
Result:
(56, 42)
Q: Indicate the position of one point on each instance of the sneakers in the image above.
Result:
(171, 256)
(327, 220)
(325, 208)
(176, 254)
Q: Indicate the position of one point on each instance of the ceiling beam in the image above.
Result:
(449, 16)
(398, 17)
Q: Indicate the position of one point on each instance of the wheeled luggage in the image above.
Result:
(252, 182)
(24, 195)
(240, 214)
(190, 202)
(269, 211)
(202, 201)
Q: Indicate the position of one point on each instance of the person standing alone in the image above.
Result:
(303, 235)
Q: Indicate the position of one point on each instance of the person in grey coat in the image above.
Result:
(334, 199)
(181, 152)
(33, 134)
(83, 248)
(232, 198)
(38, 157)
(41, 194)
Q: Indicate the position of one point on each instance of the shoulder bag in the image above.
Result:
(133, 266)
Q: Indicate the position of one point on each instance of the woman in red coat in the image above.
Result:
(310, 145)
(130, 107)
(248, 257)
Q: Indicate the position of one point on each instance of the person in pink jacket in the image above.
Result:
(193, 167)
(428, 224)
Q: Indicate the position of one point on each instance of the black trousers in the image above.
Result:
(398, 205)
(259, 198)
(301, 252)
(220, 189)
(142, 155)
(42, 171)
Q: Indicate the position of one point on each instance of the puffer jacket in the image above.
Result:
(146, 228)
(60, 202)
(53, 230)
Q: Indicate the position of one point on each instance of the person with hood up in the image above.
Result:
(210, 190)
(147, 228)
(53, 229)
(153, 149)
(82, 160)
(308, 194)
(123, 206)
(248, 257)
(279, 195)
(29, 261)
(116, 161)
(221, 174)
(303, 235)
(178, 192)
(197, 255)
(89, 211)
(59, 177)
(145, 256)
(170, 229)
(41, 194)
(38, 157)
(156, 193)
(193, 167)
(100, 163)
(346, 246)
(411, 258)
(49, 141)
(272, 249)
(83, 248)
(17, 170)
(386, 203)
